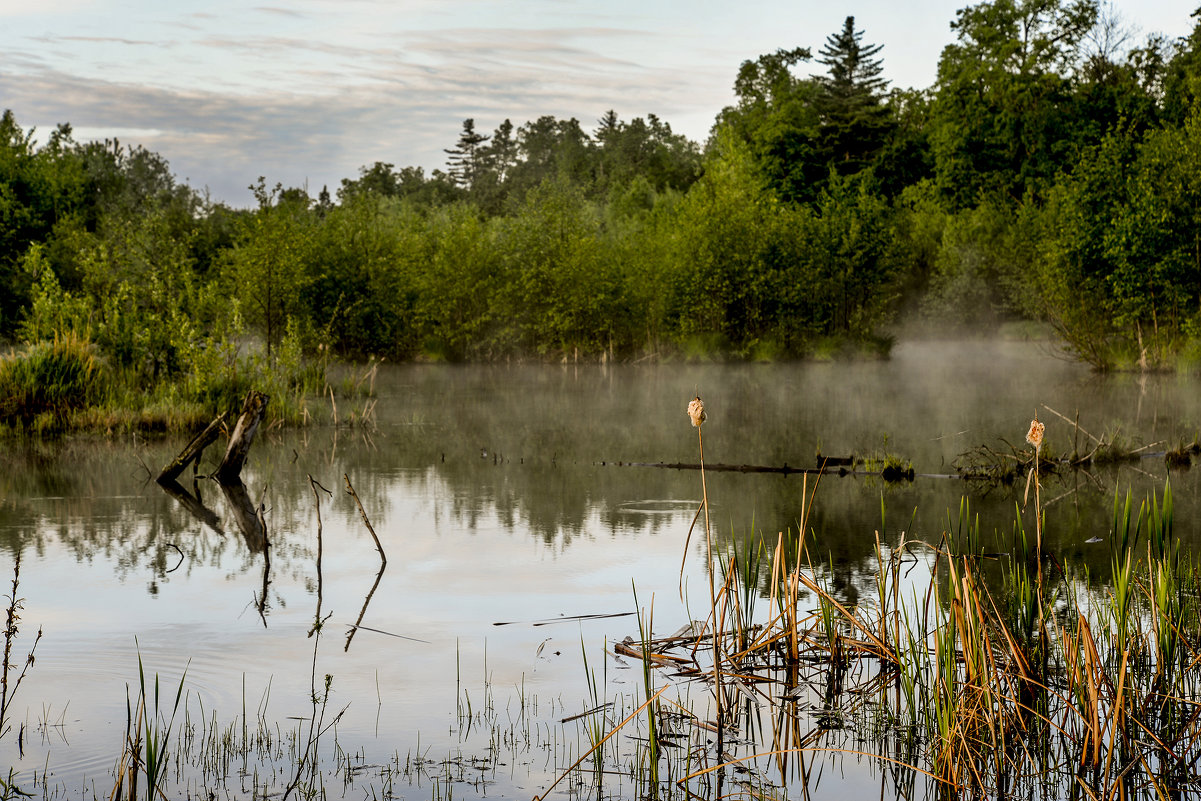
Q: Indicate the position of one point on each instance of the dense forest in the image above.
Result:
(1052, 173)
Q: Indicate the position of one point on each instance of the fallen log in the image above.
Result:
(742, 468)
(253, 409)
(191, 452)
(888, 473)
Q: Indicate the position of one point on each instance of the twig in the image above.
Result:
(382, 556)
(314, 484)
(1075, 423)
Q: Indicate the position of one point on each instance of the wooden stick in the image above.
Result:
(382, 557)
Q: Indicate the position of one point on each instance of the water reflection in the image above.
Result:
(502, 493)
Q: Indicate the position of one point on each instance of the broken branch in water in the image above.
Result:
(383, 562)
(192, 451)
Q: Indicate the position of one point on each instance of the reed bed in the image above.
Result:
(967, 672)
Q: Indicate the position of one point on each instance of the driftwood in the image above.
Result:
(191, 452)
(253, 410)
(744, 468)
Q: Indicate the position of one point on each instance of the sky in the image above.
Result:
(306, 93)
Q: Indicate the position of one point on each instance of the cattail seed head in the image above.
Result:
(1035, 435)
(696, 411)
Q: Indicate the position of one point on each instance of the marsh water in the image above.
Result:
(515, 495)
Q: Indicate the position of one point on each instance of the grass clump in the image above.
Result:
(42, 384)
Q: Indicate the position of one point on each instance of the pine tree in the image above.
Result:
(607, 127)
(855, 122)
(464, 162)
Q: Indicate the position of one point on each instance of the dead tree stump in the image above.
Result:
(253, 409)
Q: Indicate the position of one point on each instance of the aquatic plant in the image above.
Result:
(12, 617)
(147, 740)
(986, 687)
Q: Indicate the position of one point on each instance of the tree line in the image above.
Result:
(1051, 173)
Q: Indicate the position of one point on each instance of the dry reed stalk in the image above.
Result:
(696, 413)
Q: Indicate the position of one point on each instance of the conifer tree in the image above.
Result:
(855, 122)
(464, 160)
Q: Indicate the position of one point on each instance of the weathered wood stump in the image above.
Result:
(253, 409)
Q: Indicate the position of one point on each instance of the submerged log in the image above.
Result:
(253, 410)
(737, 468)
(826, 462)
(191, 452)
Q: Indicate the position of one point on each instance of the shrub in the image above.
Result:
(49, 380)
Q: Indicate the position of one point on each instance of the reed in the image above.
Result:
(595, 717)
(645, 620)
(989, 681)
(148, 731)
(696, 414)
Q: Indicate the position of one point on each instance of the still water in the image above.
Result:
(501, 495)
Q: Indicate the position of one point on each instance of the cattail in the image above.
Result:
(1035, 435)
(696, 411)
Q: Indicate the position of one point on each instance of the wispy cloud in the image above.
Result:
(282, 12)
(101, 40)
(397, 111)
(227, 92)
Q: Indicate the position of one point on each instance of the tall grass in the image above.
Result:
(68, 382)
(42, 384)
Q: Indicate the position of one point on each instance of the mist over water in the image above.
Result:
(505, 494)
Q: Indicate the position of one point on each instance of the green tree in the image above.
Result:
(721, 287)
(776, 116)
(551, 149)
(557, 289)
(465, 162)
(1001, 121)
(457, 286)
(643, 148)
(267, 266)
(497, 160)
(359, 293)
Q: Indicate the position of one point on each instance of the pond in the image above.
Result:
(524, 522)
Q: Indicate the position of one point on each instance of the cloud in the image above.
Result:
(231, 94)
(101, 40)
(283, 12)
